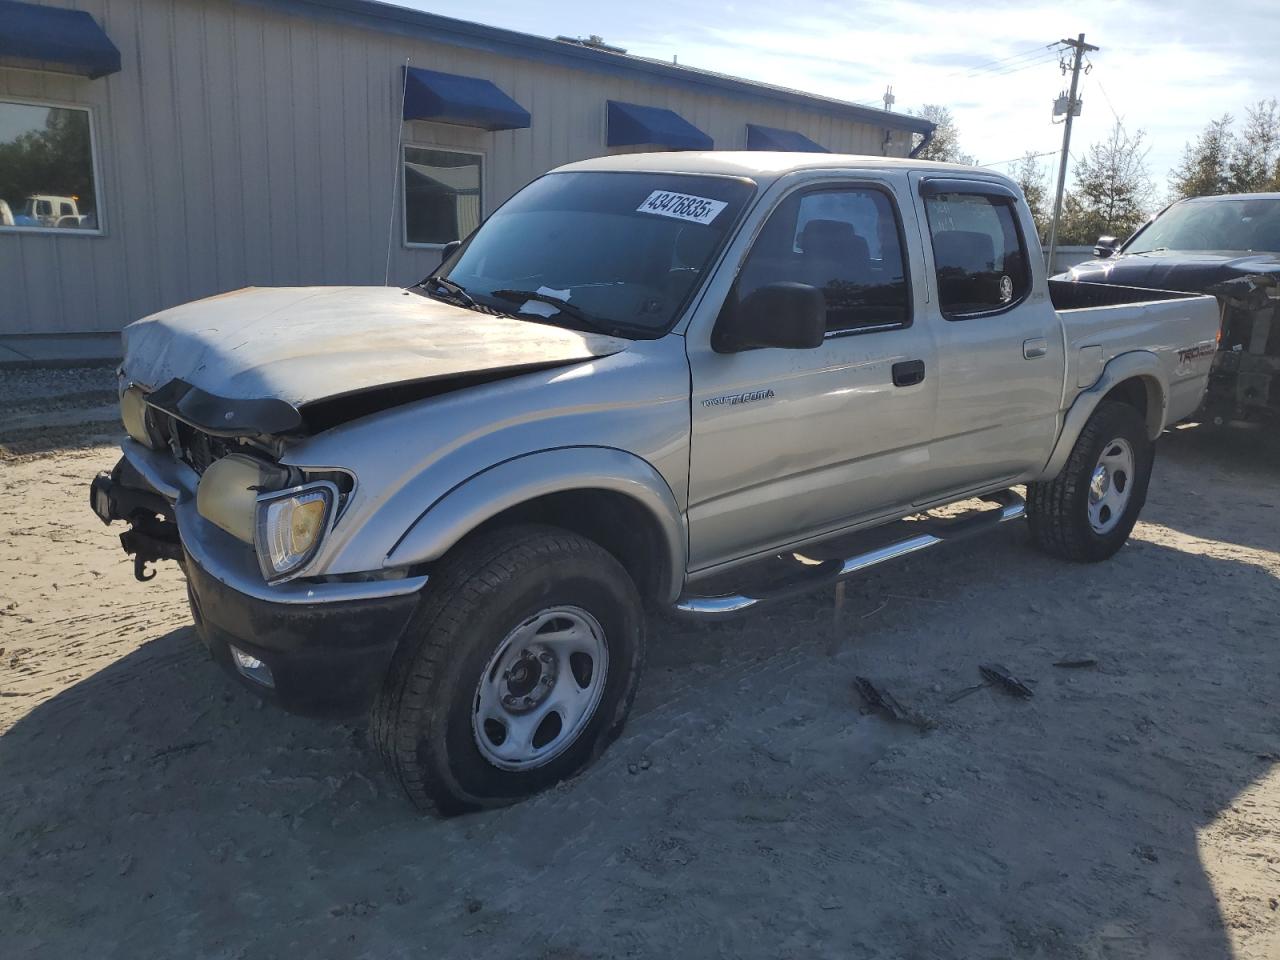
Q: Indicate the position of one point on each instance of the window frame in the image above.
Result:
(407, 145)
(995, 193)
(836, 185)
(95, 165)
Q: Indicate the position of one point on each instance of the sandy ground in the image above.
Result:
(150, 808)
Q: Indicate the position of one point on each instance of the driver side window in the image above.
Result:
(847, 242)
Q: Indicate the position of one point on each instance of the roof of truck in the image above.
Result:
(1231, 196)
(766, 165)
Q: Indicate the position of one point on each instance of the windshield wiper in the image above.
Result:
(458, 291)
(564, 306)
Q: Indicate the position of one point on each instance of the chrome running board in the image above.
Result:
(828, 572)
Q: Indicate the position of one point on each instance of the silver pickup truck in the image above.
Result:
(691, 381)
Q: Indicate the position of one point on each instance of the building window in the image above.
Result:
(442, 197)
(47, 173)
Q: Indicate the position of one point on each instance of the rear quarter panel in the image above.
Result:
(1181, 334)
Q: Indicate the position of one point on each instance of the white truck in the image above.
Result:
(49, 210)
(664, 380)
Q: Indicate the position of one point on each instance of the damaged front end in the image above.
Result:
(152, 536)
(1245, 381)
(212, 496)
(193, 431)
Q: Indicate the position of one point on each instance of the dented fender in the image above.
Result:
(1137, 364)
(526, 478)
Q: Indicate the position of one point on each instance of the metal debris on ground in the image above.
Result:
(883, 604)
(1076, 662)
(882, 701)
(961, 694)
(1000, 675)
(180, 748)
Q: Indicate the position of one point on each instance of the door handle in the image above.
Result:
(1035, 349)
(908, 373)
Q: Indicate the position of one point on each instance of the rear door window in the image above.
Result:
(979, 254)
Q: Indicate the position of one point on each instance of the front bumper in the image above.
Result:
(325, 659)
(325, 643)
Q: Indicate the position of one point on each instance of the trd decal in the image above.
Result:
(733, 399)
(1205, 349)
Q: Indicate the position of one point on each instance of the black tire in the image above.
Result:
(485, 588)
(1058, 509)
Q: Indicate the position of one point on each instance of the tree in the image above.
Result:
(1112, 190)
(1255, 159)
(1030, 176)
(945, 145)
(1205, 167)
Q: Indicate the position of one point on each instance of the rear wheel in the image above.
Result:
(1087, 512)
(517, 672)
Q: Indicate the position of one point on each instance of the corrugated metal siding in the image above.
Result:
(241, 146)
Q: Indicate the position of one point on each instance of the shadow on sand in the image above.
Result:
(154, 810)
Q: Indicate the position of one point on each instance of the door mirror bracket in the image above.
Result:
(448, 250)
(786, 315)
(1106, 247)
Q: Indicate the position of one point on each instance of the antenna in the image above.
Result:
(395, 172)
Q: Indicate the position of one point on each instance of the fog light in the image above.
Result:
(253, 668)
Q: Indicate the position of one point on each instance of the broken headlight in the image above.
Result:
(139, 420)
(290, 527)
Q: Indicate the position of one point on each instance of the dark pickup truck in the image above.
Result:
(1228, 246)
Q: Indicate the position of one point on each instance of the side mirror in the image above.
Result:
(792, 316)
(449, 249)
(1106, 247)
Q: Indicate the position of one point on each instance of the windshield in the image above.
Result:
(1222, 224)
(623, 250)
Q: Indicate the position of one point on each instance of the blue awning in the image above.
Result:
(466, 101)
(631, 124)
(771, 138)
(55, 40)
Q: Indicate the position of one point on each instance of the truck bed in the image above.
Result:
(1074, 295)
(1102, 321)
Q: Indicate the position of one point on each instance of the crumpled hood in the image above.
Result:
(304, 344)
(1189, 271)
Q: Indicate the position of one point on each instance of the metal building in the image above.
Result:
(158, 151)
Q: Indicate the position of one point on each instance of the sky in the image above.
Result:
(1165, 66)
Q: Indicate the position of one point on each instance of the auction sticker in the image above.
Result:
(682, 206)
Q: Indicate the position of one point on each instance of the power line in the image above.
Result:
(996, 163)
(978, 68)
(1103, 90)
(1015, 69)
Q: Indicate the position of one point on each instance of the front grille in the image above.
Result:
(195, 448)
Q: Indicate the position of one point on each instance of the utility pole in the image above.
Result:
(1073, 107)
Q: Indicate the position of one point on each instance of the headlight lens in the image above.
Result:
(290, 527)
(134, 413)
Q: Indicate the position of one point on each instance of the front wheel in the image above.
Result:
(1087, 512)
(517, 672)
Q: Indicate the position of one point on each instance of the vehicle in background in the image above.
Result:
(698, 381)
(1228, 246)
(47, 210)
(6, 214)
